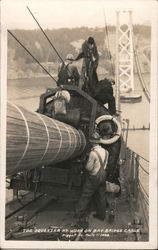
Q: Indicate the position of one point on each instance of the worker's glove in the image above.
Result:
(112, 81)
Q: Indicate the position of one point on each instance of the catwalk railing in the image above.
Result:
(137, 182)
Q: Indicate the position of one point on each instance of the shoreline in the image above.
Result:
(55, 75)
(30, 77)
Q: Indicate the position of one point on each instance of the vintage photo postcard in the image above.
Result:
(79, 124)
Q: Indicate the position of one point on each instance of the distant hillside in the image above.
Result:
(20, 64)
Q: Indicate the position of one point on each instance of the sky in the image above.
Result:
(75, 13)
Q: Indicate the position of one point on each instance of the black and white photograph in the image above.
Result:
(79, 124)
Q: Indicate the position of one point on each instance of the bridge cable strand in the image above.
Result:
(107, 35)
(48, 39)
(31, 54)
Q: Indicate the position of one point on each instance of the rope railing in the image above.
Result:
(140, 184)
(143, 197)
(134, 173)
(145, 215)
(140, 156)
(142, 167)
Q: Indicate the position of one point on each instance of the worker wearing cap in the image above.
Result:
(68, 73)
(94, 186)
(91, 57)
(112, 169)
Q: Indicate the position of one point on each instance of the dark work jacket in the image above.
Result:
(88, 54)
(68, 74)
(112, 169)
(103, 93)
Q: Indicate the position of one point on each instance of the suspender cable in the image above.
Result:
(106, 32)
(31, 55)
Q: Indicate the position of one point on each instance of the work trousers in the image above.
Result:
(112, 169)
(93, 190)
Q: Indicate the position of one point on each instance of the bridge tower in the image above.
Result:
(124, 55)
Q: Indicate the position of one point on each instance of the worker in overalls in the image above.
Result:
(90, 57)
(94, 186)
(113, 188)
(68, 73)
(112, 170)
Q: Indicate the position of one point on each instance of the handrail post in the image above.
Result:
(132, 172)
(136, 177)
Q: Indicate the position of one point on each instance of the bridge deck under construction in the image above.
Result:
(44, 217)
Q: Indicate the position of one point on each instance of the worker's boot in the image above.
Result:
(111, 217)
(98, 217)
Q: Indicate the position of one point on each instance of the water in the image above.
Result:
(139, 116)
(26, 93)
(138, 140)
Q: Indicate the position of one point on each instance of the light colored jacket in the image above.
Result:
(93, 164)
